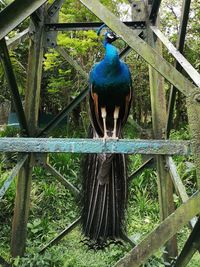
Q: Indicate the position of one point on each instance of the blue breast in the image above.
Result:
(110, 76)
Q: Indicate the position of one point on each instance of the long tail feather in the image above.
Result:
(104, 198)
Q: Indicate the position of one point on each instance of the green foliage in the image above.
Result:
(9, 131)
(36, 260)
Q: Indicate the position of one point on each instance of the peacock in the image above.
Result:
(104, 198)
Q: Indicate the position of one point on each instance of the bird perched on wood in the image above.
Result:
(105, 175)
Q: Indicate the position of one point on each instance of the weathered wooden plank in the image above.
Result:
(61, 235)
(146, 164)
(142, 48)
(128, 240)
(52, 124)
(18, 39)
(154, 10)
(71, 61)
(167, 206)
(13, 174)
(190, 247)
(15, 13)
(34, 74)
(21, 209)
(185, 12)
(193, 109)
(159, 116)
(12, 83)
(180, 45)
(178, 184)
(191, 71)
(32, 96)
(61, 179)
(138, 10)
(166, 229)
(75, 145)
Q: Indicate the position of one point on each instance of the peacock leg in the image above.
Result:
(103, 115)
(116, 116)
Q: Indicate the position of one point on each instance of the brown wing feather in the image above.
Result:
(128, 100)
(94, 113)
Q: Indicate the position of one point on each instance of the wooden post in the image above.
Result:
(159, 118)
(193, 108)
(34, 74)
(22, 200)
(21, 210)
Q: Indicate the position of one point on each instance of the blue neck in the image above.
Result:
(111, 55)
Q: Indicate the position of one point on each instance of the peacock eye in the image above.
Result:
(110, 36)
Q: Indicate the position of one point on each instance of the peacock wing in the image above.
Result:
(94, 112)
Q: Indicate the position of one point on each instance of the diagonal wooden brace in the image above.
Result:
(158, 237)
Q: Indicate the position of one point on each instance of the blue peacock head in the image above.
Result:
(109, 36)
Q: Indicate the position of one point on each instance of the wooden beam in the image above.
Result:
(193, 109)
(190, 247)
(138, 10)
(159, 117)
(15, 13)
(178, 184)
(142, 48)
(34, 74)
(147, 164)
(61, 235)
(76, 145)
(161, 234)
(185, 11)
(52, 124)
(191, 71)
(154, 10)
(61, 179)
(12, 84)
(12, 43)
(71, 61)
(21, 209)
(180, 46)
(32, 95)
(11, 177)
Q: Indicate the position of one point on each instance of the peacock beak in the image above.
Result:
(118, 36)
